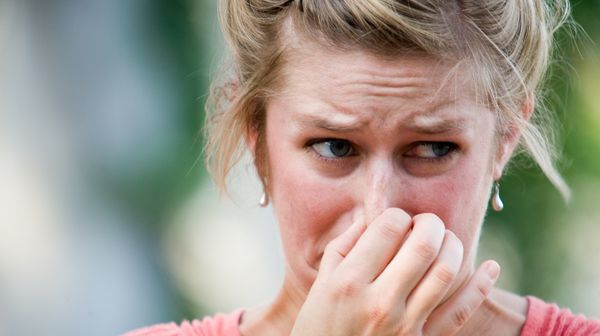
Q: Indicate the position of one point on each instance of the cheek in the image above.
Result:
(306, 204)
(459, 199)
(311, 210)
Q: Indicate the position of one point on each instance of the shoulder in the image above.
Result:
(216, 325)
(547, 319)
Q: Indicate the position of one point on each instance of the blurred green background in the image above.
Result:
(108, 221)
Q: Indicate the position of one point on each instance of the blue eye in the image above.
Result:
(431, 150)
(333, 148)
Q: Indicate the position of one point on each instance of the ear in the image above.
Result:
(509, 139)
(258, 156)
(251, 140)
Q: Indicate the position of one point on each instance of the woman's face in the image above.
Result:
(352, 132)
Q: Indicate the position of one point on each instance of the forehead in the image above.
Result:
(361, 85)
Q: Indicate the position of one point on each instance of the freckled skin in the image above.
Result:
(314, 201)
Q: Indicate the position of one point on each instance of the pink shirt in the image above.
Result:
(543, 319)
(217, 325)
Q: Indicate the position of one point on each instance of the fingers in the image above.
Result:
(438, 280)
(415, 257)
(454, 313)
(337, 249)
(378, 245)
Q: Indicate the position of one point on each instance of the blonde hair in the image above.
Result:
(508, 42)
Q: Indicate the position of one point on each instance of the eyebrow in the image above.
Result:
(329, 125)
(413, 124)
(440, 126)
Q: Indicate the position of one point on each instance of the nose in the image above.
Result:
(381, 189)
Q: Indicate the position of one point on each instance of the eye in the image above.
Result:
(431, 150)
(333, 148)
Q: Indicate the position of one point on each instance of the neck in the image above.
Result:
(278, 317)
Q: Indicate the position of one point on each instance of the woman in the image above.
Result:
(378, 129)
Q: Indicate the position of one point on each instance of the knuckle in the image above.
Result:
(378, 313)
(425, 250)
(460, 316)
(392, 223)
(445, 274)
(347, 288)
(377, 316)
(389, 228)
(483, 289)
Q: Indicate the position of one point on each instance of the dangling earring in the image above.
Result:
(264, 200)
(496, 200)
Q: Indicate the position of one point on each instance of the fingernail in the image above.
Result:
(493, 269)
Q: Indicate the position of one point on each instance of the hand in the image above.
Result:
(389, 279)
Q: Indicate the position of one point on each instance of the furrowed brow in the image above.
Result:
(339, 126)
(438, 126)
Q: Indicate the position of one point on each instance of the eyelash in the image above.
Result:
(438, 159)
(339, 160)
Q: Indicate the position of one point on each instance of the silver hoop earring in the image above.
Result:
(264, 200)
(496, 200)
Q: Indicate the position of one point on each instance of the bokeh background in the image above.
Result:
(108, 221)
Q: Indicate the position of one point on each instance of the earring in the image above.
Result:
(496, 200)
(264, 200)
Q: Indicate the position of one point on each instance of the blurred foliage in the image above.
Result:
(174, 36)
(169, 31)
(532, 204)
